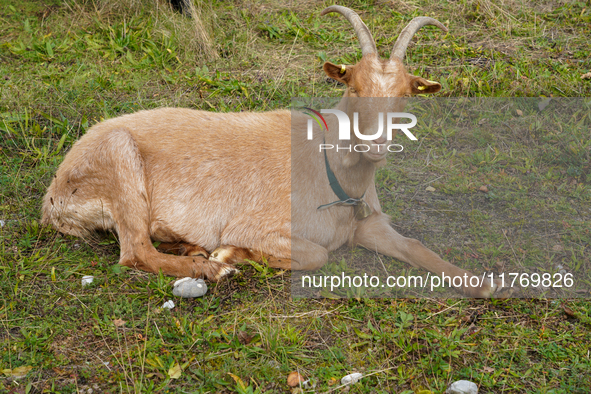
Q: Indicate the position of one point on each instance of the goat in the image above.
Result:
(201, 181)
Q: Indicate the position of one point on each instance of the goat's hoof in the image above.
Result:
(195, 250)
(213, 271)
(485, 290)
(225, 271)
(489, 290)
(229, 254)
(505, 292)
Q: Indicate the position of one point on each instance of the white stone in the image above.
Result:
(351, 378)
(189, 288)
(462, 387)
(87, 279)
(168, 305)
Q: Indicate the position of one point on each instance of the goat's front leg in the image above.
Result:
(376, 234)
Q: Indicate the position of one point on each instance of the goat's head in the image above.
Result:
(373, 80)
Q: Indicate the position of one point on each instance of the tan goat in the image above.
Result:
(222, 182)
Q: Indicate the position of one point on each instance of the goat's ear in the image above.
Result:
(420, 85)
(340, 73)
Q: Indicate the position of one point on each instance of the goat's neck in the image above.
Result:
(351, 169)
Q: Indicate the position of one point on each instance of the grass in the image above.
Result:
(65, 65)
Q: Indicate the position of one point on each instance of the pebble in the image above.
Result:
(462, 387)
(351, 378)
(168, 305)
(189, 288)
(87, 279)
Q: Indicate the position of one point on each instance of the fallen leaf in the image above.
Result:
(119, 322)
(59, 371)
(482, 121)
(294, 379)
(430, 189)
(519, 112)
(175, 371)
(483, 189)
(332, 381)
(586, 76)
(557, 248)
(244, 338)
(569, 312)
(19, 372)
(239, 382)
(488, 369)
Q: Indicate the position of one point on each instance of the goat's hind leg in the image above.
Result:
(113, 173)
(182, 249)
(230, 254)
(303, 254)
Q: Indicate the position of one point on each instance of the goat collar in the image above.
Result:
(360, 207)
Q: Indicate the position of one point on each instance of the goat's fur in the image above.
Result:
(222, 183)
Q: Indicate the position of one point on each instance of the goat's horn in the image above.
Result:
(364, 36)
(409, 31)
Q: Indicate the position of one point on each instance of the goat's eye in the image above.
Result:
(352, 90)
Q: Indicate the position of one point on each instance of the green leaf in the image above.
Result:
(19, 372)
(362, 335)
(175, 371)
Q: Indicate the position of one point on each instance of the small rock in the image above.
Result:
(2, 223)
(168, 304)
(430, 189)
(351, 378)
(483, 189)
(189, 288)
(586, 76)
(87, 279)
(519, 112)
(462, 387)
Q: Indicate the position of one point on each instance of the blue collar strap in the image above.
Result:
(361, 208)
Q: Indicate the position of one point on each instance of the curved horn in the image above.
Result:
(409, 31)
(364, 36)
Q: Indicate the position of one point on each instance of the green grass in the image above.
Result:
(65, 65)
